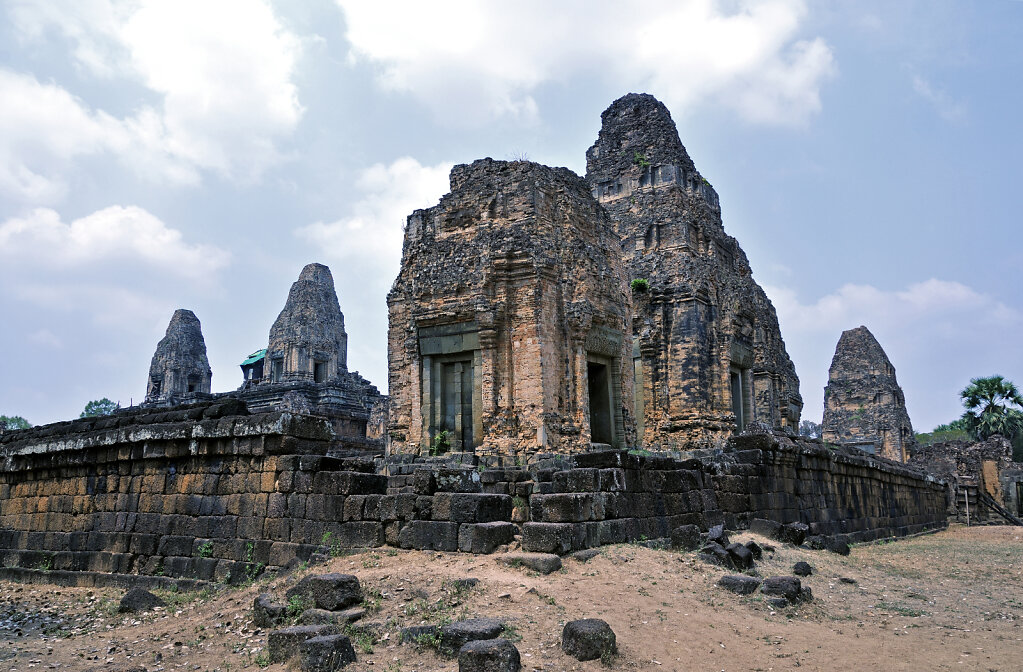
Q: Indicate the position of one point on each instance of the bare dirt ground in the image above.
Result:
(948, 601)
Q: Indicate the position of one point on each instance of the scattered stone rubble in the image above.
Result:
(972, 467)
(864, 407)
(589, 639)
(321, 645)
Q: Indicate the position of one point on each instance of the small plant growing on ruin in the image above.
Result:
(441, 443)
(252, 568)
(298, 604)
(332, 545)
(640, 160)
(360, 638)
(640, 286)
(263, 659)
(427, 639)
(205, 550)
(371, 599)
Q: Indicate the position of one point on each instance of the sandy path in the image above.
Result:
(946, 601)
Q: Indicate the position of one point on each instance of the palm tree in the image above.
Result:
(990, 408)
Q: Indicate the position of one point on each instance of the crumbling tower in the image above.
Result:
(509, 322)
(308, 340)
(864, 407)
(179, 367)
(707, 349)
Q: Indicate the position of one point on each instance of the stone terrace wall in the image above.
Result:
(187, 492)
(202, 494)
(615, 496)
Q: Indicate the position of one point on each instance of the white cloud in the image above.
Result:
(46, 339)
(219, 81)
(937, 333)
(374, 230)
(43, 127)
(476, 60)
(947, 107)
(367, 242)
(113, 235)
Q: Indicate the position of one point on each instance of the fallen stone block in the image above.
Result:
(326, 653)
(802, 569)
(717, 535)
(585, 555)
(788, 587)
(420, 634)
(544, 563)
(741, 556)
(816, 542)
(266, 613)
(793, 533)
(323, 616)
(489, 655)
(329, 591)
(453, 636)
(139, 599)
(838, 545)
(716, 555)
(588, 639)
(282, 644)
(465, 584)
(755, 549)
(740, 584)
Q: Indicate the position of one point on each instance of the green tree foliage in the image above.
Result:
(994, 405)
(958, 425)
(810, 429)
(98, 407)
(13, 422)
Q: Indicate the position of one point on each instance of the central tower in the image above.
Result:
(510, 320)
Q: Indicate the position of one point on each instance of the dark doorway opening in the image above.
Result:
(735, 382)
(600, 403)
(319, 372)
(456, 378)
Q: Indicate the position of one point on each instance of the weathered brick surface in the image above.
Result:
(708, 350)
(511, 292)
(864, 407)
(217, 502)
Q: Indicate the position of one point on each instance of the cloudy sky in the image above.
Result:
(181, 153)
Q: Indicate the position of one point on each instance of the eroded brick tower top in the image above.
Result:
(308, 340)
(179, 367)
(707, 345)
(863, 403)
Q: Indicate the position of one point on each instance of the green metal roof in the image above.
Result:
(254, 357)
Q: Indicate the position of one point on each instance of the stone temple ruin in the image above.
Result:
(303, 369)
(707, 351)
(522, 367)
(864, 407)
(180, 370)
(509, 320)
